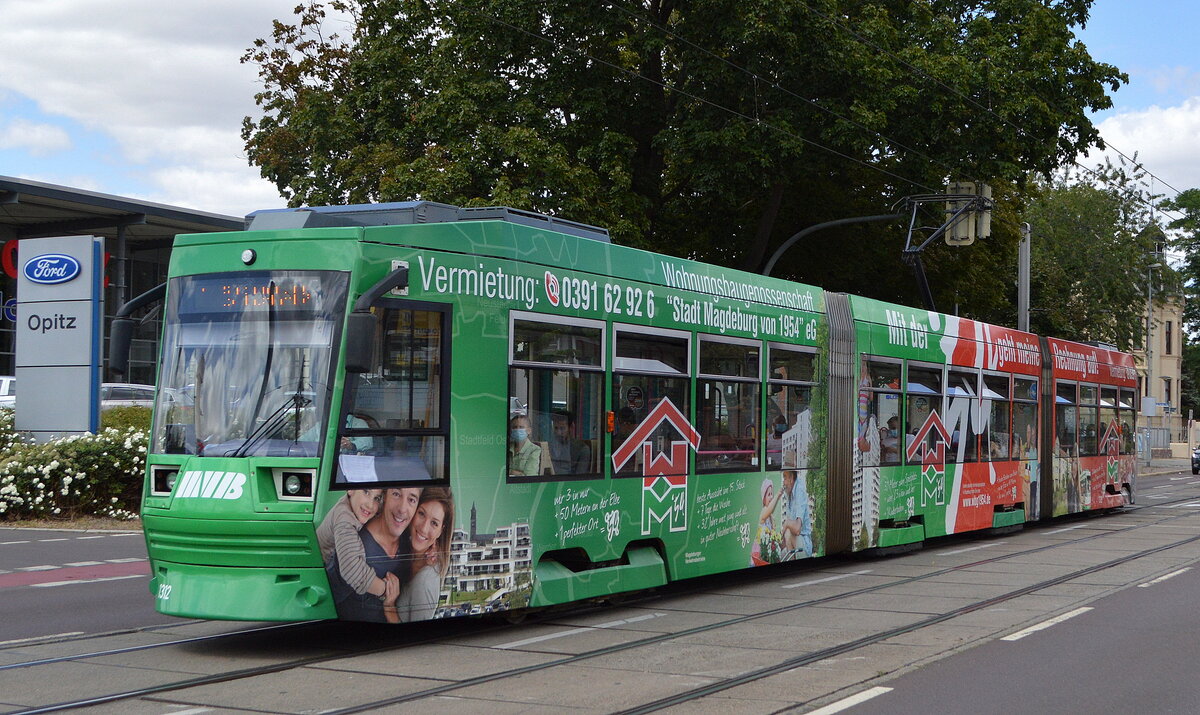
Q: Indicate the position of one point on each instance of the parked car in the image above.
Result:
(8, 391)
(121, 394)
(1196, 461)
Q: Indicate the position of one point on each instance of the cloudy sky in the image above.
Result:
(144, 98)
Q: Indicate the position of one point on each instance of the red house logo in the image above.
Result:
(929, 446)
(664, 475)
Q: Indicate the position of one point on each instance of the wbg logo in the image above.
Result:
(211, 485)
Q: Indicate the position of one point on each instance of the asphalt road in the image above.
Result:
(1134, 651)
(56, 582)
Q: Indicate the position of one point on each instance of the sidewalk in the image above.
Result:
(1163, 466)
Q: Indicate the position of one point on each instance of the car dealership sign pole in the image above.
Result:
(59, 309)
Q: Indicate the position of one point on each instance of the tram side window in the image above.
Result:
(964, 441)
(1089, 406)
(879, 410)
(789, 425)
(923, 397)
(647, 369)
(1066, 419)
(1109, 431)
(996, 392)
(1128, 427)
(394, 427)
(1025, 416)
(555, 399)
(727, 405)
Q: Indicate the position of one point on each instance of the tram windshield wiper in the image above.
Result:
(273, 422)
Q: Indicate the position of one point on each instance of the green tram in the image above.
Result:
(407, 411)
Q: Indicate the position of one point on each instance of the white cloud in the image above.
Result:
(163, 80)
(37, 139)
(233, 192)
(1166, 140)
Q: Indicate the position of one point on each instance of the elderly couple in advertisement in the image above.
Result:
(387, 551)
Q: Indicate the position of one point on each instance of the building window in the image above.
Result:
(1169, 336)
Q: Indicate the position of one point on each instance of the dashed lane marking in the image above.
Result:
(839, 577)
(963, 551)
(573, 631)
(1046, 624)
(75, 574)
(41, 638)
(1164, 577)
(51, 584)
(847, 703)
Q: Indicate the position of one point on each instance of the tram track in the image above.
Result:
(750, 676)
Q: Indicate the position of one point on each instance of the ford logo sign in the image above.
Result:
(51, 268)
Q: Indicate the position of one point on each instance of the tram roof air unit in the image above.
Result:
(411, 212)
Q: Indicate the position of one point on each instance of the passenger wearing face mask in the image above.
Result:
(524, 455)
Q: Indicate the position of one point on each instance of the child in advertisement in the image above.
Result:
(338, 534)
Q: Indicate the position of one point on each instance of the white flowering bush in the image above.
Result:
(92, 474)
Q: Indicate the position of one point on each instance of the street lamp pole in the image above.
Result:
(1150, 351)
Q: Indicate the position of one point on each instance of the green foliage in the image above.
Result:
(713, 129)
(98, 475)
(126, 418)
(1093, 244)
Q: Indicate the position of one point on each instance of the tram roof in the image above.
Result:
(32, 209)
(412, 212)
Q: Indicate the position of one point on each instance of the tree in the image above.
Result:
(1186, 230)
(1093, 243)
(711, 129)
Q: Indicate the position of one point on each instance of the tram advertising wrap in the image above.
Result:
(527, 417)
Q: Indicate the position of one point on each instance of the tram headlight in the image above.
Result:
(294, 484)
(162, 480)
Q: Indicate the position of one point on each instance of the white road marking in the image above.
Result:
(123, 561)
(1046, 624)
(85, 563)
(191, 711)
(43, 567)
(86, 580)
(839, 577)
(1159, 497)
(81, 538)
(5, 543)
(41, 638)
(1176, 479)
(1067, 528)
(1189, 505)
(43, 541)
(573, 631)
(847, 703)
(963, 551)
(1164, 577)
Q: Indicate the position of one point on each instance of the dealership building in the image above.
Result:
(137, 245)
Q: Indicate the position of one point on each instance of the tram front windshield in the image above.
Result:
(247, 360)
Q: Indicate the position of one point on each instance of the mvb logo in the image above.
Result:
(210, 485)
